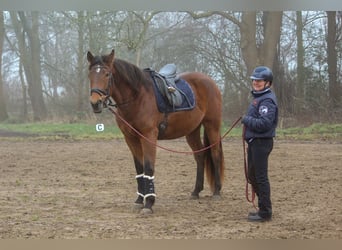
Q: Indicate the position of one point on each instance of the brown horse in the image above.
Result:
(132, 91)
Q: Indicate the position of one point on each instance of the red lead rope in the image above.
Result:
(194, 152)
(246, 169)
(167, 149)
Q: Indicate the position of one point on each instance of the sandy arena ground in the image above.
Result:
(86, 189)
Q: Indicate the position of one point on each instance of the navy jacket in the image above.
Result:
(262, 116)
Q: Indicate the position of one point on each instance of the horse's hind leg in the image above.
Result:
(215, 158)
(194, 141)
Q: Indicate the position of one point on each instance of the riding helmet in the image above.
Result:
(262, 73)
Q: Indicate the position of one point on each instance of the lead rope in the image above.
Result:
(246, 170)
(167, 149)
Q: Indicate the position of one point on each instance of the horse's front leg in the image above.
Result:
(146, 193)
(149, 151)
(140, 182)
(136, 149)
(144, 154)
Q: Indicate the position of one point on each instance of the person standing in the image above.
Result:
(260, 124)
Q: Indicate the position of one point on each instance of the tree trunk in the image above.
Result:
(300, 93)
(24, 111)
(248, 42)
(334, 91)
(3, 110)
(272, 31)
(260, 52)
(30, 55)
(80, 65)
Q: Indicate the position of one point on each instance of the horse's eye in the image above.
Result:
(107, 75)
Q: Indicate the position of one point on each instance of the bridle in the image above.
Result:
(104, 94)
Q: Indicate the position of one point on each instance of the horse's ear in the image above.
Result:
(112, 57)
(90, 57)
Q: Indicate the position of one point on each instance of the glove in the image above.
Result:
(244, 119)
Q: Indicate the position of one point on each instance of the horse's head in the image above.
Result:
(100, 77)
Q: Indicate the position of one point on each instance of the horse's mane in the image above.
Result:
(130, 73)
(124, 71)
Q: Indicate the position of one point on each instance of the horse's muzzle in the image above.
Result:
(97, 107)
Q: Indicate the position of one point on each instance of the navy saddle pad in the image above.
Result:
(187, 94)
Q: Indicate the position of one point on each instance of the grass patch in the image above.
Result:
(313, 132)
(55, 131)
(317, 131)
(81, 131)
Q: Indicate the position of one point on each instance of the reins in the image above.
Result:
(167, 149)
(246, 169)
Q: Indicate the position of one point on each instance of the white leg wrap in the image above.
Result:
(149, 177)
(148, 195)
(140, 194)
(139, 176)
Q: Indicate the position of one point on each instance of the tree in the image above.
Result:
(3, 110)
(134, 31)
(27, 34)
(80, 57)
(300, 47)
(300, 83)
(259, 40)
(334, 89)
(259, 37)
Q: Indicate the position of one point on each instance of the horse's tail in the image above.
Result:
(209, 162)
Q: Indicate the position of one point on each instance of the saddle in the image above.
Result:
(167, 86)
(172, 92)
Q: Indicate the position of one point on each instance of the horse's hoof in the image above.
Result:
(137, 207)
(146, 211)
(194, 197)
(216, 197)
